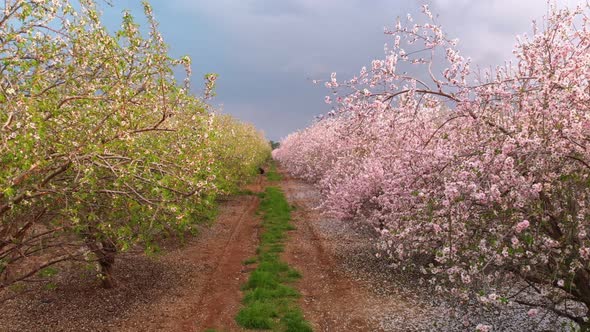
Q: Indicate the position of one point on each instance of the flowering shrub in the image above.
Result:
(239, 149)
(475, 179)
(100, 148)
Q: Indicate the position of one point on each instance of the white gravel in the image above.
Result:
(353, 243)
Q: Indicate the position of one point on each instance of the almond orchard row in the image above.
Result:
(477, 179)
(101, 148)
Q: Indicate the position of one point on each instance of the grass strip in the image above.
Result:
(270, 302)
(272, 174)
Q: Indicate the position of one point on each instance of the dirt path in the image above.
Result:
(216, 301)
(334, 300)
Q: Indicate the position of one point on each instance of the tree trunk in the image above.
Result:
(105, 252)
(107, 260)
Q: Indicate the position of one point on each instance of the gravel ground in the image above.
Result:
(79, 304)
(352, 243)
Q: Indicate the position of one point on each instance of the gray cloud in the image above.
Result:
(277, 8)
(266, 51)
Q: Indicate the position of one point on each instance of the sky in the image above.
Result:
(267, 52)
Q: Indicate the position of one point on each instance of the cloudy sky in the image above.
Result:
(268, 51)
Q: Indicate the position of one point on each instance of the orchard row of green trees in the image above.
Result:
(101, 148)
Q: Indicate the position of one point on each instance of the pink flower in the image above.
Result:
(521, 226)
(465, 278)
(533, 313)
(483, 328)
(436, 228)
(560, 283)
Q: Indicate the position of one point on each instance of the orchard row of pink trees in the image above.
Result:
(473, 178)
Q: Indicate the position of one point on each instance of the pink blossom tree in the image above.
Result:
(477, 179)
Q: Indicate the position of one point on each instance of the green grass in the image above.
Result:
(246, 192)
(48, 272)
(269, 299)
(250, 261)
(272, 174)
